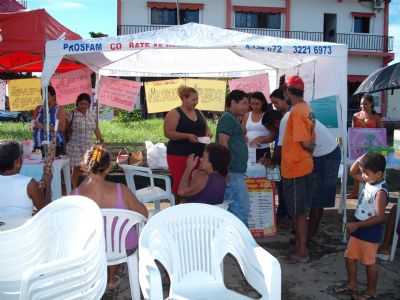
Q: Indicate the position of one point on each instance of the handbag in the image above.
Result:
(68, 130)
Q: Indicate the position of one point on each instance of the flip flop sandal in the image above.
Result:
(363, 296)
(295, 259)
(383, 256)
(344, 289)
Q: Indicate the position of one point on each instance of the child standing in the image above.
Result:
(367, 229)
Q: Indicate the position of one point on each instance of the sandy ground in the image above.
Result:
(313, 280)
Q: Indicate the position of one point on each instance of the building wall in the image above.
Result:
(308, 15)
(362, 65)
(136, 12)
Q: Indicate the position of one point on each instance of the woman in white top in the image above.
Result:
(258, 136)
(19, 194)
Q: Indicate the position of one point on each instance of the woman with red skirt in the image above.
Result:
(183, 126)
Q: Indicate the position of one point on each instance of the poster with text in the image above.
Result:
(69, 85)
(251, 84)
(119, 93)
(2, 95)
(325, 110)
(363, 139)
(24, 94)
(162, 96)
(262, 221)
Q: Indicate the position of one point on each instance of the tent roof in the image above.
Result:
(22, 49)
(192, 50)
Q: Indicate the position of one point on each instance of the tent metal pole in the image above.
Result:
(178, 17)
(96, 97)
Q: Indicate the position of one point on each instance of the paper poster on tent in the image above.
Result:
(69, 85)
(257, 83)
(361, 140)
(162, 96)
(24, 94)
(2, 95)
(118, 93)
(211, 93)
(325, 110)
(262, 208)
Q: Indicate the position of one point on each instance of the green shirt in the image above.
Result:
(229, 125)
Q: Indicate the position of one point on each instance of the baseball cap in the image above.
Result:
(295, 82)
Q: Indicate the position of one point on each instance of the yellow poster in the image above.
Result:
(24, 94)
(162, 96)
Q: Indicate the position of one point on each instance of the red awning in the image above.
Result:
(23, 37)
(356, 78)
(362, 14)
(172, 5)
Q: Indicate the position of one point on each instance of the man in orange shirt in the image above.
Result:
(297, 163)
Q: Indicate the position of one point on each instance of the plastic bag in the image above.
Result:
(156, 155)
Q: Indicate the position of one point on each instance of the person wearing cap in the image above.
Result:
(297, 164)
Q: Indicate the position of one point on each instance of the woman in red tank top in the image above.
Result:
(367, 117)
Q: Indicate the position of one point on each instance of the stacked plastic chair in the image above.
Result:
(191, 241)
(57, 254)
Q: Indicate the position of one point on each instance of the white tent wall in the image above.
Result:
(197, 50)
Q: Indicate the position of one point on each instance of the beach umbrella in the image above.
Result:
(387, 78)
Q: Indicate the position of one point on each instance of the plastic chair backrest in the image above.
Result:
(191, 241)
(132, 171)
(58, 252)
(117, 223)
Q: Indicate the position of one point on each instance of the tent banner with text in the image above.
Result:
(162, 96)
(70, 85)
(24, 94)
(119, 93)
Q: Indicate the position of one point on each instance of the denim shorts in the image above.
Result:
(325, 176)
(297, 193)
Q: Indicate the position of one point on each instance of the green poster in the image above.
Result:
(325, 111)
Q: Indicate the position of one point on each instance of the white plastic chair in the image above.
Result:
(191, 241)
(115, 237)
(57, 254)
(151, 193)
(395, 235)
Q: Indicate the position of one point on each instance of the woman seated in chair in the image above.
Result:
(19, 193)
(207, 183)
(107, 194)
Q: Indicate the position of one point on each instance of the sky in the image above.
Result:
(83, 16)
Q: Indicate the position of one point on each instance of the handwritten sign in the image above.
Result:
(325, 111)
(163, 96)
(118, 93)
(2, 95)
(70, 84)
(257, 83)
(396, 140)
(24, 94)
(362, 139)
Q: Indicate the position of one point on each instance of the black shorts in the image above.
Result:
(298, 195)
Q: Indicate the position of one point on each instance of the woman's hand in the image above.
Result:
(192, 138)
(192, 162)
(256, 142)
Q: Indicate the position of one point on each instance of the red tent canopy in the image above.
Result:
(23, 36)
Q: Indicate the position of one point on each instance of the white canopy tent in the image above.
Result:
(196, 50)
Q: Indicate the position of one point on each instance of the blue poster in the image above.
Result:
(325, 111)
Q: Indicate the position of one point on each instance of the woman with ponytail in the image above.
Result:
(97, 164)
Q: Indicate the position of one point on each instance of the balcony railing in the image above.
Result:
(354, 41)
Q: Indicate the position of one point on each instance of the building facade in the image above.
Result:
(361, 24)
